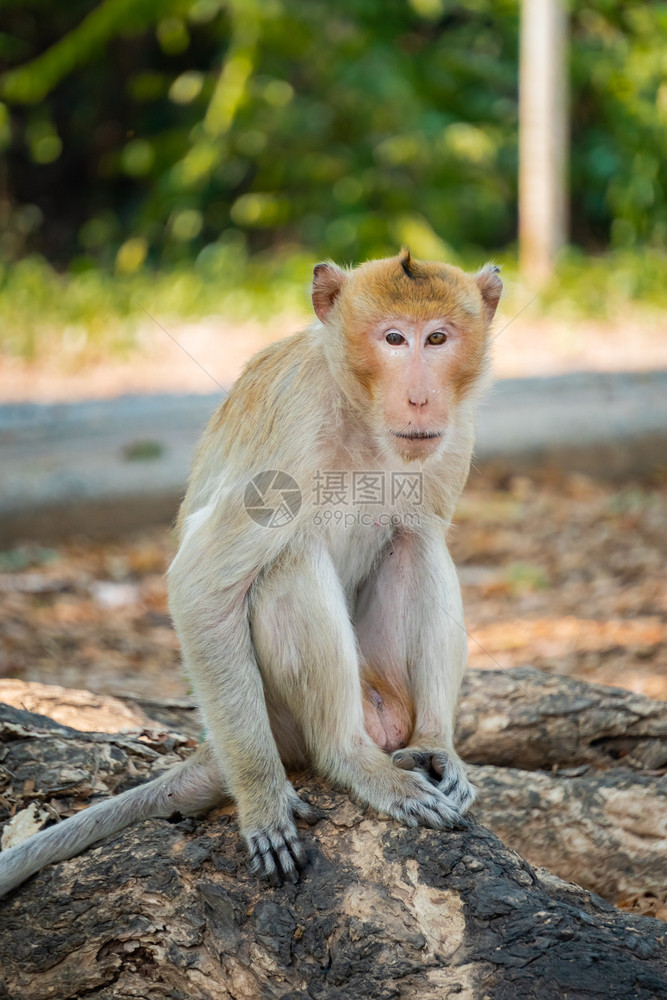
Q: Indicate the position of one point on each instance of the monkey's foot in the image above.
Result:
(442, 769)
(413, 800)
(275, 850)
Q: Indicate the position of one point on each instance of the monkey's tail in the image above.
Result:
(189, 788)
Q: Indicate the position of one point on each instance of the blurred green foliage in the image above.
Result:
(94, 314)
(139, 131)
(231, 142)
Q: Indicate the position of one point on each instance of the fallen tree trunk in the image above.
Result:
(605, 830)
(511, 718)
(168, 910)
(528, 719)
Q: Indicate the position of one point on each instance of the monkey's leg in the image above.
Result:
(425, 644)
(307, 652)
(214, 629)
(191, 787)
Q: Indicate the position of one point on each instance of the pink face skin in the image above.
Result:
(415, 360)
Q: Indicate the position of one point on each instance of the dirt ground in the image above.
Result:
(561, 572)
(558, 571)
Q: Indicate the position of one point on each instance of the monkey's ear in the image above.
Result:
(490, 286)
(328, 281)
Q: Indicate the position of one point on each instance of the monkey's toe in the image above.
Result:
(423, 804)
(431, 763)
(303, 810)
(276, 854)
(444, 771)
(411, 759)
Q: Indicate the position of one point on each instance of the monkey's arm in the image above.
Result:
(209, 583)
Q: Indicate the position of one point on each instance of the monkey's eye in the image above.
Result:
(437, 338)
(395, 338)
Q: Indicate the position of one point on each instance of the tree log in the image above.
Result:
(511, 718)
(605, 830)
(168, 910)
(528, 719)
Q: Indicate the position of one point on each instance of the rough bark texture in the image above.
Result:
(528, 719)
(607, 830)
(574, 779)
(167, 910)
(83, 710)
(513, 718)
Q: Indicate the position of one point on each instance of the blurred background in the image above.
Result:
(171, 170)
(195, 157)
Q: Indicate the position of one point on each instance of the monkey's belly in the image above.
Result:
(388, 719)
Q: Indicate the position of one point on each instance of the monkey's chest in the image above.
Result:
(355, 544)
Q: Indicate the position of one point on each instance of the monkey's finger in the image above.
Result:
(450, 812)
(439, 805)
(305, 811)
(438, 764)
(451, 773)
(449, 784)
(462, 794)
(297, 850)
(434, 820)
(270, 870)
(455, 786)
(409, 760)
(418, 813)
(286, 863)
(262, 861)
(289, 852)
(455, 820)
(433, 815)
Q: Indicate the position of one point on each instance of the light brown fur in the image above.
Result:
(333, 641)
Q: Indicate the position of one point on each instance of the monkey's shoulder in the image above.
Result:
(280, 386)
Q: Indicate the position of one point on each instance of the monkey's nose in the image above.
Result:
(418, 400)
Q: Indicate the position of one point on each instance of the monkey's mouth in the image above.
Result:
(417, 435)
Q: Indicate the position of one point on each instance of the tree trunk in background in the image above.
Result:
(543, 136)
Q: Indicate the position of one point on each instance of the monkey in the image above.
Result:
(325, 637)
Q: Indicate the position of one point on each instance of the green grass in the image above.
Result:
(606, 287)
(93, 315)
(90, 314)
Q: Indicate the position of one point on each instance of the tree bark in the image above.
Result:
(607, 830)
(512, 718)
(528, 719)
(168, 910)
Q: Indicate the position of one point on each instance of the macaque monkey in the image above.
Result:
(319, 627)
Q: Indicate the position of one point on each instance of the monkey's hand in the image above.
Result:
(443, 769)
(275, 850)
(406, 795)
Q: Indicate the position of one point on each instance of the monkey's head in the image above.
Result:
(408, 341)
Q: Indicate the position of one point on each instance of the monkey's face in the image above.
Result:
(414, 339)
(416, 367)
